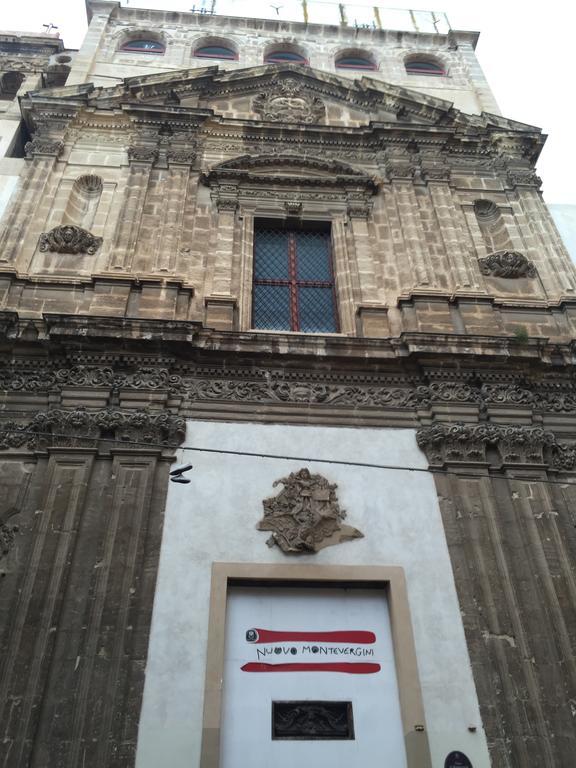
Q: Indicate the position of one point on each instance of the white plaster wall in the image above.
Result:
(248, 697)
(214, 519)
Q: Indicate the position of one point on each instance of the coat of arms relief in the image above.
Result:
(305, 516)
(289, 102)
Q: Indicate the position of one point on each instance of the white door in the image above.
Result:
(309, 680)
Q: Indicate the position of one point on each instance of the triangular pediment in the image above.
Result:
(290, 94)
(280, 98)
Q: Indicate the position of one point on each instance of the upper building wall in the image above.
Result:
(102, 61)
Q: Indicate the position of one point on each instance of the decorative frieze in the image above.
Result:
(69, 239)
(468, 442)
(400, 171)
(305, 516)
(436, 174)
(270, 386)
(142, 154)
(507, 264)
(181, 156)
(524, 178)
(40, 146)
(80, 427)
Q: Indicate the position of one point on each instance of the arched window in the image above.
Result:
(216, 52)
(143, 45)
(284, 57)
(423, 65)
(355, 61)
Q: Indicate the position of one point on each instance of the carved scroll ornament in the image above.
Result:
(38, 146)
(508, 264)
(305, 516)
(288, 102)
(468, 442)
(70, 239)
(80, 427)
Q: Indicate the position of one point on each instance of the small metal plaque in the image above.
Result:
(312, 720)
(457, 760)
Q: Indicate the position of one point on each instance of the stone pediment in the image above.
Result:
(278, 98)
(290, 94)
(288, 169)
(286, 94)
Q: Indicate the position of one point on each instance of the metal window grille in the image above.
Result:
(293, 281)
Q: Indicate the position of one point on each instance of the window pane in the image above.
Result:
(281, 57)
(150, 46)
(313, 256)
(316, 307)
(215, 52)
(272, 307)
(424, 67)
(270, 255)
(355, 62)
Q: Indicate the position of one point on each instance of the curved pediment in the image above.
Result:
(288, 169)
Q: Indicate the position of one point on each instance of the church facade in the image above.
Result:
(314, 263)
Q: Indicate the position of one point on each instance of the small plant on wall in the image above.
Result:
(521, 334)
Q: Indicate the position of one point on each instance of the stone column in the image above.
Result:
(43, 154)
(402, 187)
(545, 247)
(141, 161)
(372, 315)
(220, 303)
(457, 253)
(173, 209)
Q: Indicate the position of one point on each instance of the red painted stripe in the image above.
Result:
(352, 668)
(351, 636)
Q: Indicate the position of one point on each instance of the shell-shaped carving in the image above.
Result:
(89, 183)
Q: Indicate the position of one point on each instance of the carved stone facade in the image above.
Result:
(455, 322)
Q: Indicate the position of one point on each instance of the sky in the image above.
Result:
(526, 51)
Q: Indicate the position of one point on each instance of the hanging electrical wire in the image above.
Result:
(177, 472)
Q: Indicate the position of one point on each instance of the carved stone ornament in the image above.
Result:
(401, 171)
(7, 532)
(468, 442)
(508, 264)
(69, 239)
(142, 154)
(289, 102)
(181, 156)
(436, 174)
(305, 516)
(526, 178)
(39, 146)
(82, 428)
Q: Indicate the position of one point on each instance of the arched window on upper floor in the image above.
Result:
(284, 56)
(10, 83)
(424, 65)
(216, 50)
(143, 45)
(355, 60)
